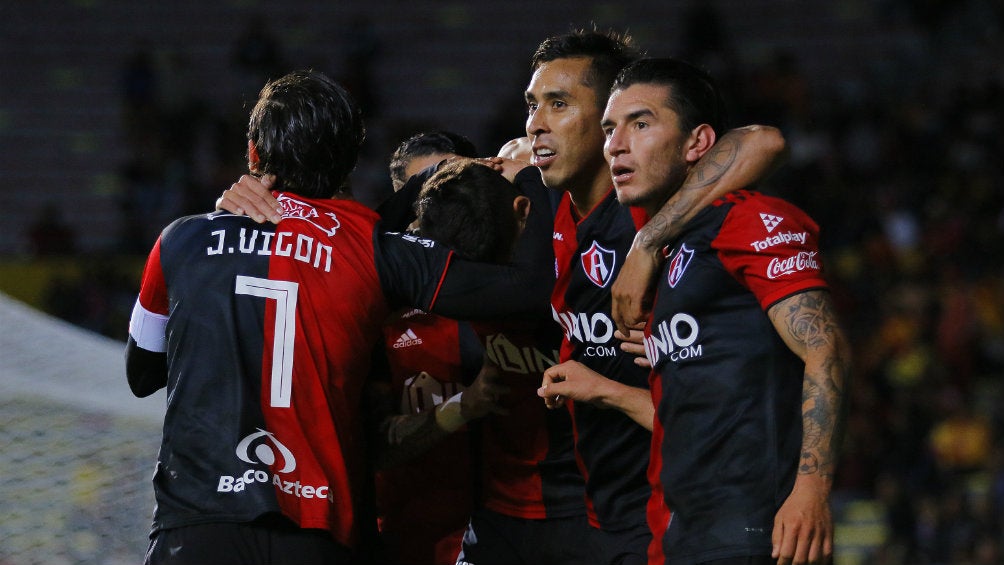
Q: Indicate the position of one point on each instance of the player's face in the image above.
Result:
(644, 146)
(563, 124)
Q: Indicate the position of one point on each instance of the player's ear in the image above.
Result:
(701, 139)
(253, 159)
(521, 207)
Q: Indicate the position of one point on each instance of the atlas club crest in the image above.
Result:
(598, 263)
(679, 264)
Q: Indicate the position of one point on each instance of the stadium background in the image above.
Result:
(118, 115)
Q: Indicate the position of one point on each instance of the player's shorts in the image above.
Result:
(623, 547)
(262, 542)
(495, 539)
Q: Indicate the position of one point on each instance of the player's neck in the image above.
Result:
(586, 195)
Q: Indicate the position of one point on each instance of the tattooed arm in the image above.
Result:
(803, 527)
(742, 157)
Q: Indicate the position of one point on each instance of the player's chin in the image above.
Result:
(552, 178)
(627, 195)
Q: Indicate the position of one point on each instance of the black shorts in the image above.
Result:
(495, 539)
(262, 542)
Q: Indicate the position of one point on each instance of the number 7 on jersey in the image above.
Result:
(284, 335)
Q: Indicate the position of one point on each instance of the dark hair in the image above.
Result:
(608, 52)
(468, 206)
(307, 131)
(427, 143)
(693, 94)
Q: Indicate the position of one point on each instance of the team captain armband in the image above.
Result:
(148, 329)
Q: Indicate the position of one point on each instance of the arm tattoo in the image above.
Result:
(810, 323)
(712, 166)
(682, 205)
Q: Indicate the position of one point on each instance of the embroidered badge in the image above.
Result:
(679, 264)
(598, 264)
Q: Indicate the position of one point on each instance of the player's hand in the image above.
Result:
(803, 527)
(250, 196)
(633, 343)
(632, 291)
(519, 149)
(485, 394)
(508, 168)
(573, 380)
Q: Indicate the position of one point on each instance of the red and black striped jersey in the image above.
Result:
(612, 448)
(269, 333)
(728, 390)
(423, 505)
(528, 457)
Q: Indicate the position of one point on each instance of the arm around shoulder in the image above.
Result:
(740, 158)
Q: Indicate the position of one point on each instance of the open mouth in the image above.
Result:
(542, 156)
(621, 174)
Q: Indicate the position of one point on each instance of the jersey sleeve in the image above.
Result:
(397, 212)
(771, 247)
(149, 316)
(485, 291)
(534, 250)
(411, 268)
(146, 347)
(421, 273)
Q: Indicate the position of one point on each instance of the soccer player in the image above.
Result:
(262, 453)
(452, 206)
(750, 365)
(424, 150)
(531, 490)
(423, 505)
(611, 404)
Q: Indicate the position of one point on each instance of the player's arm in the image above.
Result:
(803, 527)
(483, 291)
(405, 436)
(739, 159)
(146, 347)
(422, 274)
(145, 355)
(574, 380)
(146, 371)
(397, 211)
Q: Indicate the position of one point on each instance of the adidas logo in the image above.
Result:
(770, 221)
(407, 339)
